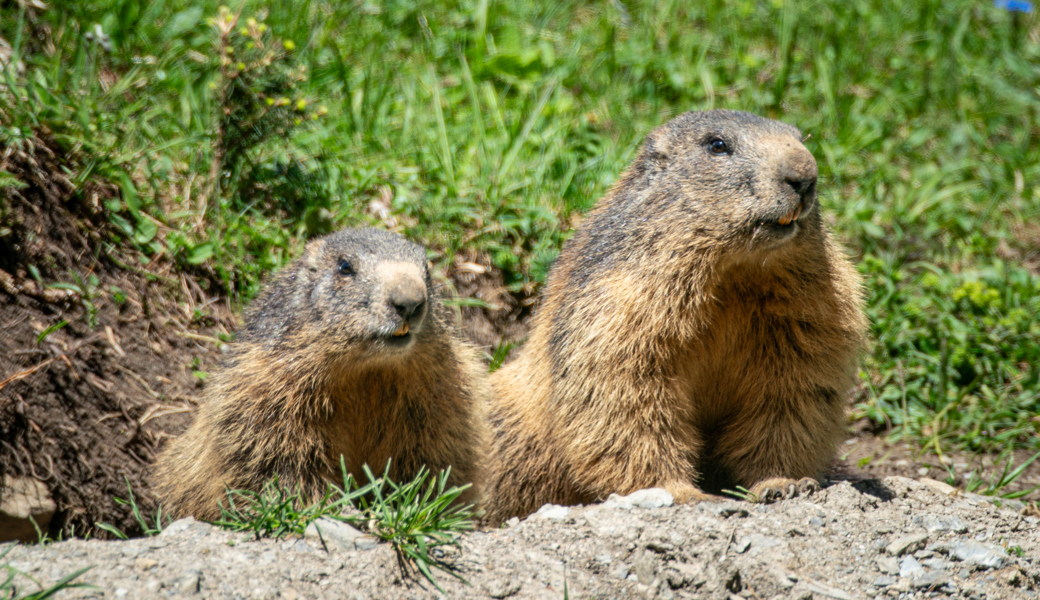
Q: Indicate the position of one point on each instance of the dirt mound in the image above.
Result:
(491, 316)
(889, 538)
(99, 358)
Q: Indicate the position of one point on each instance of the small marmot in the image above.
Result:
(699, 331)
(348, 352)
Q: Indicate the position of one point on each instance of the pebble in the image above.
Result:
(907, 544)
(334, 533)
(552, 512)
(935, 523)
(975, 553)
(144, 564)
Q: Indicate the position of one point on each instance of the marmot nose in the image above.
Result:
(408, 307)
(798, 170)
(802, 187)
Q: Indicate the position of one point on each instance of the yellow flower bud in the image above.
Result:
(289, 44)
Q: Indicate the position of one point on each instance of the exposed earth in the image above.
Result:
(893, 538)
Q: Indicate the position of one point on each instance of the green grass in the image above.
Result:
(489, 127)
(149, 526)
(419, 518)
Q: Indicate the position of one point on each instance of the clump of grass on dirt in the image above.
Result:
(418, 518)
(488, 128)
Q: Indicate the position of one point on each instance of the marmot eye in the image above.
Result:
(718, 146)
(345, 268)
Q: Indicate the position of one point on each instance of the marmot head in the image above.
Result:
(363, 292)
(746, 181)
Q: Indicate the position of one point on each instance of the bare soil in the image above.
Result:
(98, 348)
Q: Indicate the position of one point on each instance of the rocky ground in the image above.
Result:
(892, 537)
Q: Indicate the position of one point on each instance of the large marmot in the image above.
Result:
(700, 330)
(349, 352)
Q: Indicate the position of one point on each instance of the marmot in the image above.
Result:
(348, 352)
(699, 331)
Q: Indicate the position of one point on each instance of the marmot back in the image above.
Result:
(699, 330)
(349, 352)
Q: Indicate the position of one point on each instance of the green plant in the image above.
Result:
(274, 511)
(1000, 480)
(148, 527)
(10, 589)
(499, 356)
(741, 493)
(86, 292)
(418, 518)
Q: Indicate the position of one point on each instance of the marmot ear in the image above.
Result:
(312, 255)
(657, 150)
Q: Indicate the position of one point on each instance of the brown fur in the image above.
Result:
(686, 339)
(320, 374)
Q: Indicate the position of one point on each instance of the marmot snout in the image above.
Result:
(699, 331)
(349, 353)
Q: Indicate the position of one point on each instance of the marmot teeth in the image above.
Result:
(791, 216)
(402, 330)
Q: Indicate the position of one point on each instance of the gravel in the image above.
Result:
(889, 538)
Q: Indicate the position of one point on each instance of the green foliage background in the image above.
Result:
(489, 126)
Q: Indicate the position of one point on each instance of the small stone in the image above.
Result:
(938, 486)
(742, 546)
(553, 512)
(511, 522)
(907, 544)
(728, 509)
(928, 580)
(153, 585)
(366, 543)
(178, 526)
(934, 523)
(603, 559)
(817, 521)
(333, 533)
(1014, 578)
(645, 568)
(189, 582)
(975, 553)
(936, 563)
(23, 501)
(826, 590)
(883, 581)
(502, 588)
(302, 546)
(887, 564)
(650, 498)
(909, 567)
(121, 592)
(144, 564)
(620, 572)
